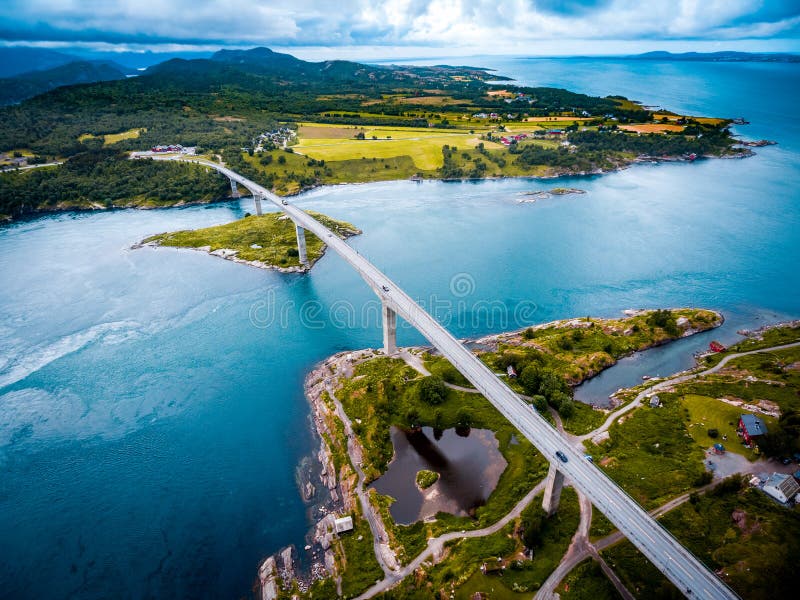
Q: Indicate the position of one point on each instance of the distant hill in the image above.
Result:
(14, 61)
(264, 64)
(18, 88)
(726, 56)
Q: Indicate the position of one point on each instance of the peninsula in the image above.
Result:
(290, 125)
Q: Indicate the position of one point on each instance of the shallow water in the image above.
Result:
(151, 405)
(469, 464)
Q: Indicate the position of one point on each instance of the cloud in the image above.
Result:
(475, 25)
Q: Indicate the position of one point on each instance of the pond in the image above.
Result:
(469, 463)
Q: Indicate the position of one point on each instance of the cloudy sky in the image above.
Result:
(386, 28)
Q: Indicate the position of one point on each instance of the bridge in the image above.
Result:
(679, 565)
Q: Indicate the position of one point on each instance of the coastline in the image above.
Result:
(556, 174)
(230, 255)
(94, 208)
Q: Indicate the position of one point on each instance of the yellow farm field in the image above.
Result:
(113, 138)
(431, 100)
(424, 146)
(703, 120)
(651, 128)
(557, 119)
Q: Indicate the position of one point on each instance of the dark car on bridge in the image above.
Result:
(561, 456)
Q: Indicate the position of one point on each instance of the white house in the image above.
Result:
(343, 524)
(781, 487)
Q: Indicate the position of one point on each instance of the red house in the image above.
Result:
(750, 427)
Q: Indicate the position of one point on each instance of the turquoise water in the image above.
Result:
(151, 406)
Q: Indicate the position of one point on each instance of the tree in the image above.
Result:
(532, 524)
(530, 379)
(713, 433)
(464, 418)
(432, 390)
(539, 402)
(551, 383)
(566, 407)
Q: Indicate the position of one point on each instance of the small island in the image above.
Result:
(266, 242)
(533, 196)
(426, 479)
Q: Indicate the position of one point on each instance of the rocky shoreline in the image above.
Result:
(327, 492)
(229, 254)
(758, 334)
(533, 196)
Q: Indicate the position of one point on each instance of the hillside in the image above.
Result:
(20, 87)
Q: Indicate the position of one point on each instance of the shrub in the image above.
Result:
(432, 390)
(426, 479)
(665, 319)
(539, 402)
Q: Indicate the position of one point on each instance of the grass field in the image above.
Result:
(651, 455)
(285, 175)
(424, 145)
(709, 413)
(113, 138)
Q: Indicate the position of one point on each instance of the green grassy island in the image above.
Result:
(267, 241)
(426, 479)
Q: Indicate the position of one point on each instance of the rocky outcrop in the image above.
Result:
(287, 566)
(267, 577)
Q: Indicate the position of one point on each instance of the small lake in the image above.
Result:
(469, 464)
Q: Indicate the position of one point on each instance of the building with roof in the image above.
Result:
(343, 524)
(782, 487)
(750, 427)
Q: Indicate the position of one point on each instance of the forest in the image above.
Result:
(102, 179)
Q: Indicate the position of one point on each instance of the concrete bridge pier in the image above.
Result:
(257, 198)
(389, 329)
(552, 490)
(234, 189)
(301, 243)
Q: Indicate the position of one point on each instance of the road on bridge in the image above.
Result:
(679, 565)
